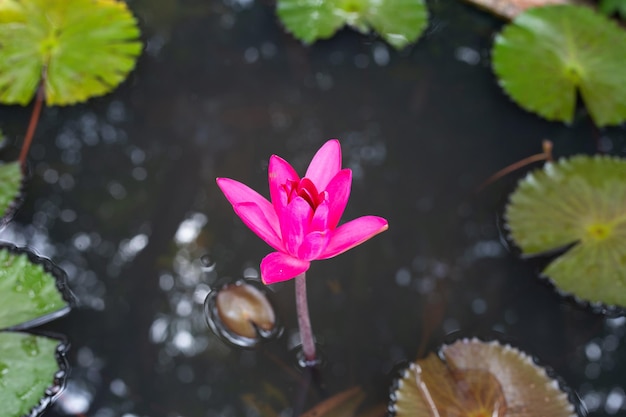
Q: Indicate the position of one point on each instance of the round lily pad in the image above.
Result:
(11, 180)
(82, 48)
(548, 54)
(471, 378)
(29, 373)
(29, 289)
(579, 201)
(399, 22)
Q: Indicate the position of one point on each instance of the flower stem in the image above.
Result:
(32, 125)
(304, 322)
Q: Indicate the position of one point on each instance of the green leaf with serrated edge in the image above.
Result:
(549, 53)
(309, 20)
(28, 366)
(27, 290)
(581, 201)
(11, 178)
(87, 48)
(399, 22)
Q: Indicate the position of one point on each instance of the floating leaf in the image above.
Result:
(549, 53)
(85, 47)
(28, 290)
(399, 22)
(580, 201)
(10, 184)
(29, 373)
(478, 379)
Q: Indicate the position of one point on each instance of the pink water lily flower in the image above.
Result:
(301, 220)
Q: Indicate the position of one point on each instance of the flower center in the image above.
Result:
(305, 189)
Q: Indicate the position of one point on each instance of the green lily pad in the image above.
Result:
(84, 47)
(471, 378)
(399, 22)
(11, 179)
(28, 372)
(28, 290)
(548, 54)
(579, 201)
(32, 291)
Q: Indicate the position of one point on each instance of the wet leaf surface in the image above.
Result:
(549, 54)
(55, 36)
(399, 22)
(580, 201)
(11, 179)
(471, 378)
(28, 366)
(28, 292)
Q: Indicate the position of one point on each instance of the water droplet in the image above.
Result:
(30, 346)
(241, 313)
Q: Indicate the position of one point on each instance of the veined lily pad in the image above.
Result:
(548, 54)
(399, 22)
(84, 47)
(11, 179)
(31, 366)
(478, 379)
(580, 201)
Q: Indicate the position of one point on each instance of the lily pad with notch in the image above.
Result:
(549, 54)
(49, 40)
(578, 202)
(399, 22)
(472, 378)
(32, 366)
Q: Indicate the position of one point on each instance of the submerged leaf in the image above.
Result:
(28, 291)
(343, 404)
(11, 179)
(82, 48)
(548, 54)
(580, 201)
(28, 372)
(399, 22)
(478, 379)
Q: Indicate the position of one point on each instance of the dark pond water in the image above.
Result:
(123, 197)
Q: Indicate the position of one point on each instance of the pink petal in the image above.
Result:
(320, 217)
(253, 217)
(338, 193)
(325, 164)
(278, 266)
(294, 224)
(238, 193)
(353, 233)
(279, 172)
(313, 245)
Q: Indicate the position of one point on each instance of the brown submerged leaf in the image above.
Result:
(343, 404)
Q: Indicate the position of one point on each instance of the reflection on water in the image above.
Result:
(123, 197)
